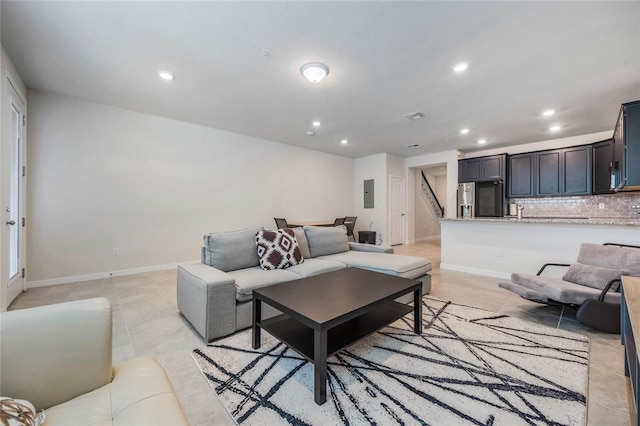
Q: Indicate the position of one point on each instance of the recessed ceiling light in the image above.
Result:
(461, 67)
(344, 141)
(548, 112)
(310, 133)
(415, 145)
(482, 141)
(166, 75)
(316, 123)
(464, 131)
(314, 71)
(555, 128)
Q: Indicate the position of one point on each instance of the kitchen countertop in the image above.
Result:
(558, 220)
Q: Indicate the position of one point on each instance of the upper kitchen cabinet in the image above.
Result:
(550, 173)
(626, 149)
(520, 182)
(482, 168)
(602, 154)
(576, 170)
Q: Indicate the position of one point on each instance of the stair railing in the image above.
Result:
(430, 197)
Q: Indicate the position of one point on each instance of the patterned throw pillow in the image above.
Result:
(278, 249)
(19, 412)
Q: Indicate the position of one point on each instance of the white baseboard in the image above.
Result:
(100, 275)
(477, 271)
(429, 238)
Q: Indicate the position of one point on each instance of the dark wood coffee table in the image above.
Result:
(326, 313)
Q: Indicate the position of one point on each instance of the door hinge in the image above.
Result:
(24, 120)
(24, 171)
(23, 272)
(24, 220)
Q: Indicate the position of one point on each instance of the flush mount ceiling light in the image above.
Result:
(555, 128)
(314, 71)
(460, 67)
(414, 115)
(310, 133)
(315, 123)
(548, 112)
(464, 131)
(344, 141)
(166, 75)
(482, 141)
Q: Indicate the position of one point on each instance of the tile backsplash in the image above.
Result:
(615, 206)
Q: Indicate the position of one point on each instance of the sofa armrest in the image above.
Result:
(53, 353)
(207, 299)
(371, 248)
(541, 270)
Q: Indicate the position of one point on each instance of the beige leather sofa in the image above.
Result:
(58, 357)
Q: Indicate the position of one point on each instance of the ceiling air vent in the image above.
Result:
(414, 115)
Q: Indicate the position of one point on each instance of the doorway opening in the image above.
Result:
(430, 201)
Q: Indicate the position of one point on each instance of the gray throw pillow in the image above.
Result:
(302, 242)
(229, 251)
(324, 240)
(591, 276)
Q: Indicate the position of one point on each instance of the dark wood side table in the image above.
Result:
(329, 312)
(630, 336)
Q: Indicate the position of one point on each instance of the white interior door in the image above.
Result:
(396, 197)
(13, 203)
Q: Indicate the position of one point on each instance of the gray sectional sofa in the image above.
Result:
(215, 295)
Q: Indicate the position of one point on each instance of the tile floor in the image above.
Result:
(146, 320)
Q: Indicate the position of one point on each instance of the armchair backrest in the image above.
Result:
(608, 256)
(53, 353)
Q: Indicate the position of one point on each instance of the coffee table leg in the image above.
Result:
(257, 317)
(320, 366)
(417, 311)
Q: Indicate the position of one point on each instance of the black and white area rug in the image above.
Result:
(470, 366)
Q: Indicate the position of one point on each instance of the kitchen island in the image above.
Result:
(499, 246)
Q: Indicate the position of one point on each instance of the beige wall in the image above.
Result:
(372, 167)
(104, 177)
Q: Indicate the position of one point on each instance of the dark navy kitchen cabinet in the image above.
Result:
(520, 180)
(482, 169)
(602, 155)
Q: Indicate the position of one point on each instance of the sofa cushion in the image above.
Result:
(325, 240)
(302, 242)
(140, 393)
(560, 290)
(591, 276)
(391, 264)
(312, 267)
(249, 279)
(525, 292)
(620, 258)
(233, 250)
(278, 249)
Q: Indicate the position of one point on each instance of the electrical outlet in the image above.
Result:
(498, 252)
(601, 206)
(115, 252)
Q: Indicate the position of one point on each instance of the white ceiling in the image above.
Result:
(386, 59)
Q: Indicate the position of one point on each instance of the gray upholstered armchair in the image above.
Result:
(593, 278)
